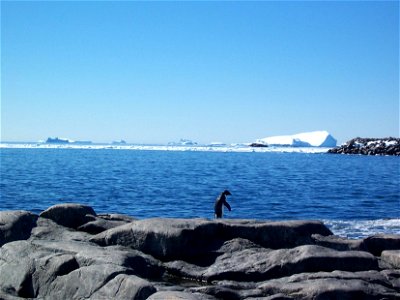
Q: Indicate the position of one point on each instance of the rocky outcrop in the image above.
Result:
(69, 214)
(94, 256)
(16, 225)
(369, 146)
(194, 239)
(258, 145)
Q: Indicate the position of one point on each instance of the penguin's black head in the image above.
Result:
(226, 192)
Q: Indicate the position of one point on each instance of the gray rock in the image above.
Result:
(68, 214)
(15, 278)
(16, 225)
(26, 269)
(338, 243)
(219, 292)
(173, 258)
(392, 257)
(4, 296)
(335, 285)
(125, 287)
(47, 229)
(87, 254)
(275, 235)
(117, 217)
(83, 282)
(48, 269)
(169, 239)
(175, 295)
(99, 225)
(29, 268)
(274, 297)
(257, 264)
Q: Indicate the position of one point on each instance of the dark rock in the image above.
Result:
(370, 146)
(169, 239)
(258, 145)
(377, 243)
(393, 276)
(16, 225)
(69, 214)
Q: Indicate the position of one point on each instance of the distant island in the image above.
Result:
(121, 142)
(58, 140)
(183, 142)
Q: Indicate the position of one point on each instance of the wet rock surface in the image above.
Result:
(93, 256)
(369, 146)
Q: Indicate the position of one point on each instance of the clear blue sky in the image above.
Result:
(155, 72)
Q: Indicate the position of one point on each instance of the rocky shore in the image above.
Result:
(70, 252)
(369, 146)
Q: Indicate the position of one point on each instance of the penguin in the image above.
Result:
(221, 200)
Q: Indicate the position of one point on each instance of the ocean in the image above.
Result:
(355, 196)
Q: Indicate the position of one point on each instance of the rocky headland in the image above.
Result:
(369, 146)
(70, 252)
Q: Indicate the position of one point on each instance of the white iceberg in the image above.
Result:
(306, 139)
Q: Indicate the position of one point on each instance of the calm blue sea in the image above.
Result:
(354, 195)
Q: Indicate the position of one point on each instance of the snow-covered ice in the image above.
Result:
(306, 139)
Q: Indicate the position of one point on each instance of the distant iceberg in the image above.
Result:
(306, 139)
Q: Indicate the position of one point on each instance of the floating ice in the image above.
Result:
(307, 139)
(195, 148)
